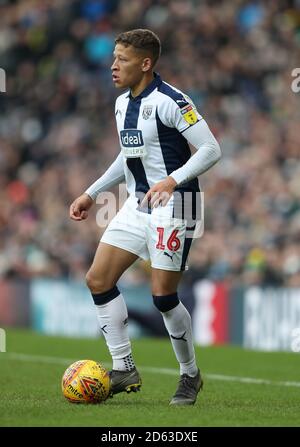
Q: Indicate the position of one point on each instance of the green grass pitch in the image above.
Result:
(32, 367)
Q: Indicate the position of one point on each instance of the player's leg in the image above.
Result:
(169, 243)
(109, 264)
(178, 324)
(176, 318)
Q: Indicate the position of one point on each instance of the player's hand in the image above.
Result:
(160, 193)
(79, 208)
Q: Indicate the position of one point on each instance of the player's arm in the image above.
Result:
(195, 130)
(208, 152)
(113, 176)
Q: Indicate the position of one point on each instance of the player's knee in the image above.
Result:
(162, 288)
(165, 283)
(164, 303)
(160, 291)
(98, 284)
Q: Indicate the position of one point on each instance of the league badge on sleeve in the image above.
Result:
(189, 114)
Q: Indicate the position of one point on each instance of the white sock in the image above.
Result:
(113, 319)
(179, 326)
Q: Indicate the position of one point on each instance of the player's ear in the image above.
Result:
(146, 64)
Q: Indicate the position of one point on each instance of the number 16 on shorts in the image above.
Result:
(170, 248)
(173, 243)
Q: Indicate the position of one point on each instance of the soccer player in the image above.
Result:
(155, 123)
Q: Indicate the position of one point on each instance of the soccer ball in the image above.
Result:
(86, 381)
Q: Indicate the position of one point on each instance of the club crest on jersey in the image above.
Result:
(132, 143)
(147, 110)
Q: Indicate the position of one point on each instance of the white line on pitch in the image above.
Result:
(168, 371)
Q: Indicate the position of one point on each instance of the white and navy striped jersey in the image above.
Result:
(155, 129)
(151, 130)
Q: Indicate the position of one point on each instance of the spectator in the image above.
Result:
(57, 129)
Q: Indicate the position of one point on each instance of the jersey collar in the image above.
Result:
(149, 89)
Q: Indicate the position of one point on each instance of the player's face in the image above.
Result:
(127, 68)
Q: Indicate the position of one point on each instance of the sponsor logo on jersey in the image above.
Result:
(147, 111)
(132, 143)
(131, 138)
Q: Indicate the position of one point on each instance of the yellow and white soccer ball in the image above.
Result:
(86, 381)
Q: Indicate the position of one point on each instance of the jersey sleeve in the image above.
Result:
(113, 176)
(207, 154)
(179, 112)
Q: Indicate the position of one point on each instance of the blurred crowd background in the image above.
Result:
(57, 130)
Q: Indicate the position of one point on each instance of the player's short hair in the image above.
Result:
(141, 39)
